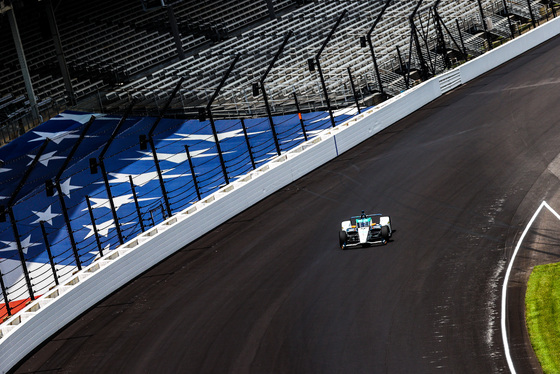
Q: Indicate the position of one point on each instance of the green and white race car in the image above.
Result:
(365, 230)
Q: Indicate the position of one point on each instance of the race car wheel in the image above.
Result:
(342, 238)
(385, 232)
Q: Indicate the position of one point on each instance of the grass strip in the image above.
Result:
(542, 313)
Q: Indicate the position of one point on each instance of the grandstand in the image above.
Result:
(116, 53)
(310, 59)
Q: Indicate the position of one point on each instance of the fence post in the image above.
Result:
(370, 43)
(300, 117)
(61, 196)
(140, 220)
(211, 118)
(153, 146)
(354, 90)
(191, 166)
(5, 294)
(531, 13)
(48, 246)
(483, 20)
(94, 226)
(10, 210)
(317, 61)
(20, 252)
(68, 224)
(101, 158)
(462, 41)
(248, 143)
(265, 96)
(509, 19)
(439, 21)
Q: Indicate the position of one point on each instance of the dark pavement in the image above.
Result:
(270, 292)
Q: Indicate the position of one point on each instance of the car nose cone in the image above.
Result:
(363, 232)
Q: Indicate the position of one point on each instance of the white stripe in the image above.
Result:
(506, 279)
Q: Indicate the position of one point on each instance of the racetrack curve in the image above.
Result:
(271, 292)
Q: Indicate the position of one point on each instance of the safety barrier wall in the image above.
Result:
(45, 316)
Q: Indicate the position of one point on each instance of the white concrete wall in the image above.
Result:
(44, 317)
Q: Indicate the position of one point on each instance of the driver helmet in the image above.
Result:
(363, 214)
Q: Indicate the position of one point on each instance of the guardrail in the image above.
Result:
(39, 320)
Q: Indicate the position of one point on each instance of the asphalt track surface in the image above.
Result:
(270, 291)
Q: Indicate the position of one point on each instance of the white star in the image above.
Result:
(103, 228)
(3, 170)
(56, 137)
(25, 244)
(66, 187)
(118, 201)
(210, 137)
(45, 158)
(140, 179)
(176, 158)
(81, 118)
(45, 216)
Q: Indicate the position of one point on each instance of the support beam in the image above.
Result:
(60, 53)
(23, 62)
(271, 12)
(175, 31)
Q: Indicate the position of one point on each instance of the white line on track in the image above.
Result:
(506, 279)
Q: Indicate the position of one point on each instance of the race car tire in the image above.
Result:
(385, 233)
(342, 238)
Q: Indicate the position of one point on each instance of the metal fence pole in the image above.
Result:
(265, 96)
(193, 174)
(153, 146)
(300, 117)
(111, 200)
(5, 294)
(94, 226)
(531, 13)
(48, 246)
(370, 43)
(439, 21)
(10, 211)
(509, 19)
(211, 118)
(140, 220)
(483, 20)
(462, 41)
(68, 224)
(20, 252)
(354, 91)
(317, 61)
(248, 144)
